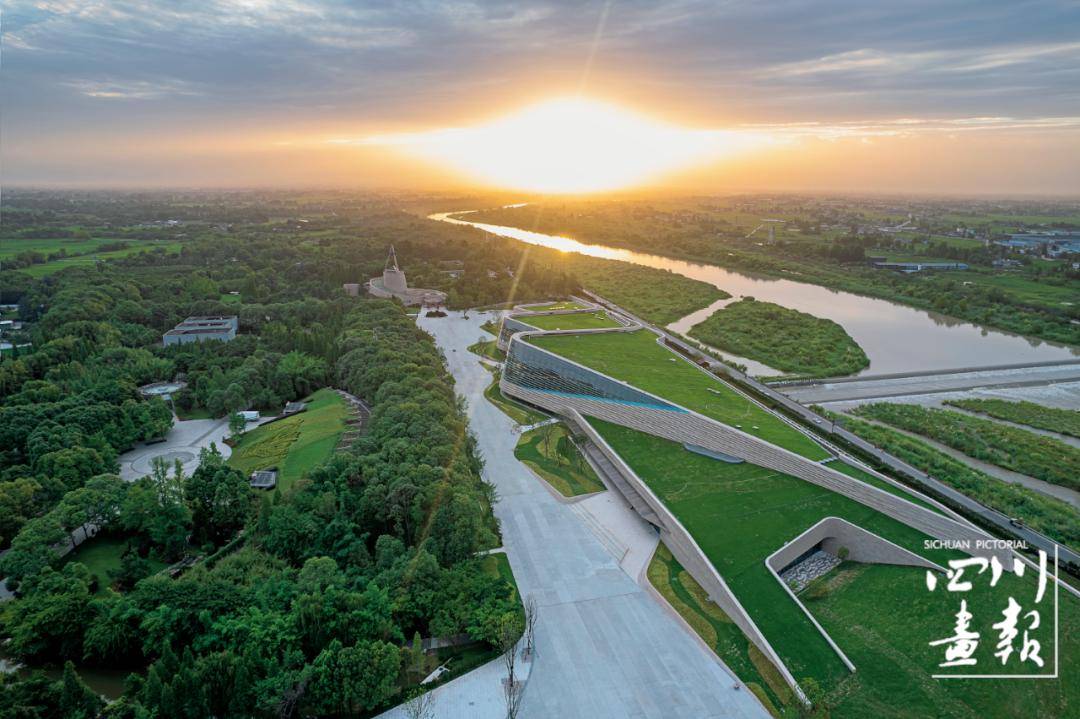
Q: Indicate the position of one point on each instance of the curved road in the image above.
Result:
(605, 646)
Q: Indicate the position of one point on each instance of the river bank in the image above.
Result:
(895, 337)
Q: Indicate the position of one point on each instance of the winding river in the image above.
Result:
(895, 337)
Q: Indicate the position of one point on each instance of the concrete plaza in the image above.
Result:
(605, 646)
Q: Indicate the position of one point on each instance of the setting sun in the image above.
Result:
(571, 145)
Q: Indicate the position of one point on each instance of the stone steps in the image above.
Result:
(612, 477)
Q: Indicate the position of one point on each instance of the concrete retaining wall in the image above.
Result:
(514, 322)
(690, 427)
(686, 550)
(863, 546)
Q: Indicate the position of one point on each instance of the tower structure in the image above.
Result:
(393, 276)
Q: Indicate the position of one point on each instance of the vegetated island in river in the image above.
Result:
(785, 339)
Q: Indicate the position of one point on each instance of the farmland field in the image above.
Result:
(91, 257)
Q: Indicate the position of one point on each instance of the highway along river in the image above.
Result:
(896, 338)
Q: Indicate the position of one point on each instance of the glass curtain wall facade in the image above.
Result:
(532, 368)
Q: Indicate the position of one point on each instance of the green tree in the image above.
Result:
(237, 424)
(113, 633)
(154, 508)
(219, 497)
(32, 549)
(48, 622)
(353, 679)
(77, 701)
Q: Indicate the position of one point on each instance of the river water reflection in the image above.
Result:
(896, 338)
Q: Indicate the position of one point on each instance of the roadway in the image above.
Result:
(870, 388)
(988, 516)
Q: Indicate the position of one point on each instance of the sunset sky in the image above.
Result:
(957, 97)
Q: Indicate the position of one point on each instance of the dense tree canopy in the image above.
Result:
(304, 603)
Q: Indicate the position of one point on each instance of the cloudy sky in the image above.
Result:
(916, 95)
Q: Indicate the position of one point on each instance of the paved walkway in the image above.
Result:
(605, 646)
(183, 442)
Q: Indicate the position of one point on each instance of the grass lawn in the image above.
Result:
(10, 247)
(635, 357)
(497, 564)
(514, 410)
(549, 452)
(739, 514)
(101, 555)
(577, 321)
(489, 349)
(296, 444)
(792, 341)
(715, 627)
(563, 305)
(884, 618)
(193, 413)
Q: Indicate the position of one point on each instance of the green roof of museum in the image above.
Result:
(637, 358)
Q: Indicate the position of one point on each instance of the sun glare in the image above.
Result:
(570, 146)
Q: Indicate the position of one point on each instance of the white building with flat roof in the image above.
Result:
(221, 328)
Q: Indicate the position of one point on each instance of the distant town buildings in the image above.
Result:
(882, 263)
(393, 284)
(199, 329)
(1051, 244)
